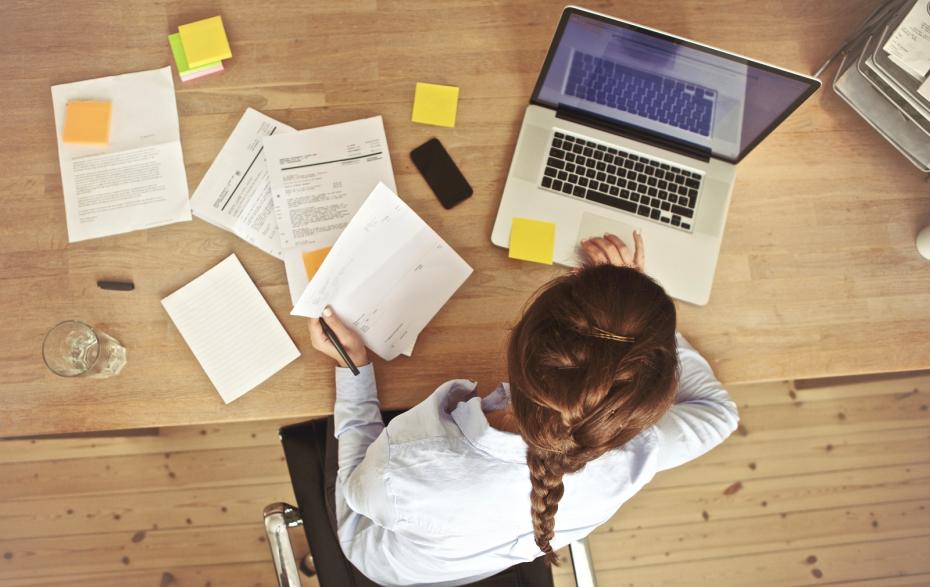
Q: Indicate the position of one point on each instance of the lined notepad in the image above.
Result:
(230, 328)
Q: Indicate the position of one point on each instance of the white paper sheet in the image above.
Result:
(387, 275)
(235, 193)
(137, 181)
(320, 176)
(909, 45)
(297, 282)
(230, 328)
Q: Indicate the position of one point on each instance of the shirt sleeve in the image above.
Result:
(362, 500)
(356, 415)
(363, 503)
(703, 415)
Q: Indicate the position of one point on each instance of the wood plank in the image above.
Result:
(228, 574)
(834, 565)
(144, 473)
(733, 538)
(740, 460)
(837, 416)
(164, 509)
(117, 552)
(168, 440)
(656, 505)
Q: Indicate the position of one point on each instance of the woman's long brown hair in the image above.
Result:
(576, 395)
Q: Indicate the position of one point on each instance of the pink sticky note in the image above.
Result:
(202, 72)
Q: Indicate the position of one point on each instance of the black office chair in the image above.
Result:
(305, 453)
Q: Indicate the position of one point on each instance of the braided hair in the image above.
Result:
(577, 394)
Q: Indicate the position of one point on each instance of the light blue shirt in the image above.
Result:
(441, 498)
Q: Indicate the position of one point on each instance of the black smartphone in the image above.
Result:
(440, 172)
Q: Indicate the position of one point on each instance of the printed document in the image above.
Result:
(320, 177)
(235, 193)
(138, 180)
(386, 276)
(909, 45)
(230, 328)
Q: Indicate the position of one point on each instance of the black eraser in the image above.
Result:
(116, 285)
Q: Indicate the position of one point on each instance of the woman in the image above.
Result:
(603, 394)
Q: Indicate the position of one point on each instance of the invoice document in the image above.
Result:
(386, 276)
(320, 177)
(235, 193)
(138, 180)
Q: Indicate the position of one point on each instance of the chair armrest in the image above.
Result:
(278, 518)
(582, 564)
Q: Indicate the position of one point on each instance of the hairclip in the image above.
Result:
(601, 333)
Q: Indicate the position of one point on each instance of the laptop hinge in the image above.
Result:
(572, 114)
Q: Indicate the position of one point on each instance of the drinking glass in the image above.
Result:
(74, 349)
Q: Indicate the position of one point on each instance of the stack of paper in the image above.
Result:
(119, 147)
(386, 276)
(235, 193)
(199, 48)
(230, 328)
(319, 178)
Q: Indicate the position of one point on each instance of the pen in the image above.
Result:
(339, 348)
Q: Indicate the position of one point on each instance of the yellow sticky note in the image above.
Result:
(87, 123)
(532, 240)
(204, 41)
(313, 260)
(434, 104)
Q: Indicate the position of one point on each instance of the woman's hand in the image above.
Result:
(611, 250)
(351, 341)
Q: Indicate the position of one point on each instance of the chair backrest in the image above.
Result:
(305, 453)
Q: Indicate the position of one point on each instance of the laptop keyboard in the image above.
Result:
(606, 175)
(663, 99)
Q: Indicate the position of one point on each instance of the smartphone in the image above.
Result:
(440, 172)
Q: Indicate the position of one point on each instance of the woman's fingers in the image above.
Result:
(317, 336)
(626, 257)
(609, 249)
(594, 253)
(341, 330)
(639, 258)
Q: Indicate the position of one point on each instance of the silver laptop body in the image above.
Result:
(631, 128)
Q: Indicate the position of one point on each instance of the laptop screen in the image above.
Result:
(666, 86)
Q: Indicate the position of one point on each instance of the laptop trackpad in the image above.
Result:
(593, 225)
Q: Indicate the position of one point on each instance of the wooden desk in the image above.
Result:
(818, 275)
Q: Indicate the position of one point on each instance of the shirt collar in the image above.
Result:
(468, 413)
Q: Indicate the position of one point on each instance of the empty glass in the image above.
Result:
(74, 349)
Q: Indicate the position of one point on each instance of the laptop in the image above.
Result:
(632, 128)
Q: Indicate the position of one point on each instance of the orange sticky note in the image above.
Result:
(313, 260)
(87, 123)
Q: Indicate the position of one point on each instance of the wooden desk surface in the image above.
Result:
(818, 274)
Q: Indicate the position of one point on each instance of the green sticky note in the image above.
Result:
(435, 104)
(532, 240)
(180, 59)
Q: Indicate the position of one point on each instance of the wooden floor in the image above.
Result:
(820, 486)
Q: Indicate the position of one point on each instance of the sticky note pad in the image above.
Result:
(204, 41)
(532, 240)
(434, 104)
(313, 260)
(203, 71)
(87, 123)
(185, 71)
